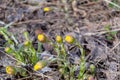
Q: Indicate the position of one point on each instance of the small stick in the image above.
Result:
(115, 46)
(112, 3)
(100, 33)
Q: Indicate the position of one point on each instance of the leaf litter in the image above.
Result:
(86, 19)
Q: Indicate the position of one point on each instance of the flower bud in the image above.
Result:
(58, 39)
(10, 70)
(26, 43)
(69, 39)
(41, 38)
(7, 50)
(92, 68)
(61, 70)
(39, 65)
(46, 9)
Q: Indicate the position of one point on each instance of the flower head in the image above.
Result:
(7, 49)
(41, 38)
(39, 65)
(10, 70)
(69, 39)
(58, 39)
(46, 9)
(26, 43)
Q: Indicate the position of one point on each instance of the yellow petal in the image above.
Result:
(46, 9)
(39, 65)
(41, 38)
(58, 39)
(69, 39)
(10, 70)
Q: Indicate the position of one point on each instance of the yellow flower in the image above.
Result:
(41, 38)
(46, 9)
(7, 49)
(69, 39)
(58, 39)
(10, 70)
(39, 65)
(26, 43)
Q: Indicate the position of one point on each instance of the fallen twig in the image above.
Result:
(112, 3)
(100, 33)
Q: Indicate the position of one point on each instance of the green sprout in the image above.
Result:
(110, 34)
(26, 54)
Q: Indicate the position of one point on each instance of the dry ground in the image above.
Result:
(85, 19)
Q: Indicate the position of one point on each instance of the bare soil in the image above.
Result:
(85, 19)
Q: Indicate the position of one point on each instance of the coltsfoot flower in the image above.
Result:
(69, 39)
(58, 39)
(46, 9)
(10, 70)
(26, 43)
(7, 49)
(39, 65)
(41, 38)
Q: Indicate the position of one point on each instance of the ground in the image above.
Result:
(91, 22)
